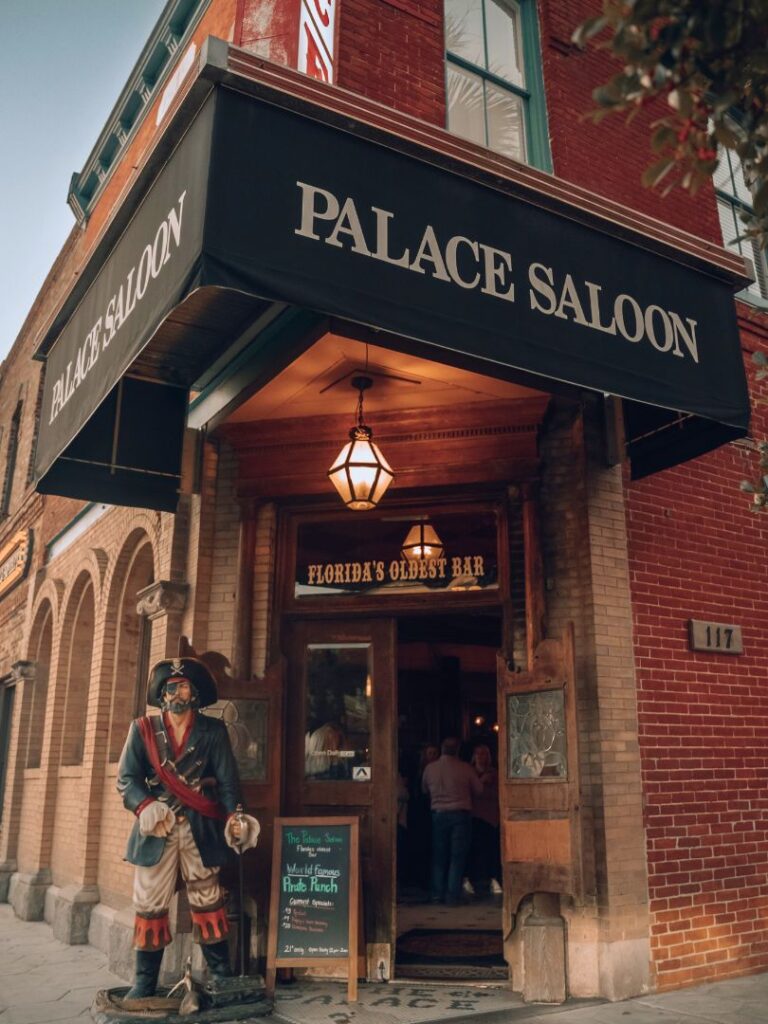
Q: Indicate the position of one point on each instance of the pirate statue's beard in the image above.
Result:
(178, 707)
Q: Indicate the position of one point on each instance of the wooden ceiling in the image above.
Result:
(438, 425)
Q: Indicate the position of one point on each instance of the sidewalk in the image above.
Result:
(43, 981)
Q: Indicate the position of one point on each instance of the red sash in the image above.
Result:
(188, 796)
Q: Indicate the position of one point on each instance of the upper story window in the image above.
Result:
(734, 197)
(10, 461)
(494, 90)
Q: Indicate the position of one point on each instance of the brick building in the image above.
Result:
(286, 199)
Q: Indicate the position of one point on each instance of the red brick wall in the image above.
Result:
(393, 51)
(607, 158)
(696, 551)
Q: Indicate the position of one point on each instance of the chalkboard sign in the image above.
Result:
(314, 905)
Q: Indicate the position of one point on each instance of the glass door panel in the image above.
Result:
(341, 738)
(338, 711)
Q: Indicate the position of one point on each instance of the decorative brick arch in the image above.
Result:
(49, 592)
(75, 663)
(143, 527)
(39, 653)
(127, 635)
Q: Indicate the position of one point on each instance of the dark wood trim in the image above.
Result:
(473, 445)
(535, 606)
(244, 593)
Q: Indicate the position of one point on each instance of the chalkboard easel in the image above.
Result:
(313, 917)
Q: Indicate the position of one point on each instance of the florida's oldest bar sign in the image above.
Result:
(460, 572)
(336, 558)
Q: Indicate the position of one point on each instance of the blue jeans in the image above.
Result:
(451, 838)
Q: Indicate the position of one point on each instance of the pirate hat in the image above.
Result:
(191, 669)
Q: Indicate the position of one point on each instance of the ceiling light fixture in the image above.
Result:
(360, 473)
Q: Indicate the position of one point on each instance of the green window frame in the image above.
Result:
(733, 198)
(494, 83)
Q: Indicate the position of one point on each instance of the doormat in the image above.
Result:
(450, 948)
(450, 972)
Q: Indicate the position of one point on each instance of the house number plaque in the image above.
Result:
(718, 637)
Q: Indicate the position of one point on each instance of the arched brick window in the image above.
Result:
(79, 657)
(7, 697)
(40, 654)
(132, 640)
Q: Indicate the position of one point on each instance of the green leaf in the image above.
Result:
(665, 135)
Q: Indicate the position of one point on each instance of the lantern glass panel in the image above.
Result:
(421, 542)
(361, 474)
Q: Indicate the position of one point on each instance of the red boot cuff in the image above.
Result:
(151, 933)
(209, 924)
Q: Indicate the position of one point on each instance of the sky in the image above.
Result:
(64, 64)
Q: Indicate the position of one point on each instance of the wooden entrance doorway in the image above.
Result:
(365, 696)
(359, 612)
(447, 689)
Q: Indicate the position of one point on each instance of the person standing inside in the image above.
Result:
(450, 784)
(167, 763)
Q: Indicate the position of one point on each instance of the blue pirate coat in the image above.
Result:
(206, 758)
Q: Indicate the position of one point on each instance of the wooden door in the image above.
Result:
(340, 758)
(538, 776)
(253, 712)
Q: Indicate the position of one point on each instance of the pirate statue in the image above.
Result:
(179, 777)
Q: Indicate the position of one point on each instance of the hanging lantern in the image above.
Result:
(422, 543)
(360, 473)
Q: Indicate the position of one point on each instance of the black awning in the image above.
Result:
(130, 449)
(273, 204)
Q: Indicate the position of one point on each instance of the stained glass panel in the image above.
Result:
(536, 740)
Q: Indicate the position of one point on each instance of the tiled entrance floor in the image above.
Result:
(477, 914)
(393, 1003)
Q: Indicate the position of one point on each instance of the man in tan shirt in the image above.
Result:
(450, 784)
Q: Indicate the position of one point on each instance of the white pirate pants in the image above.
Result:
(154, 886)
